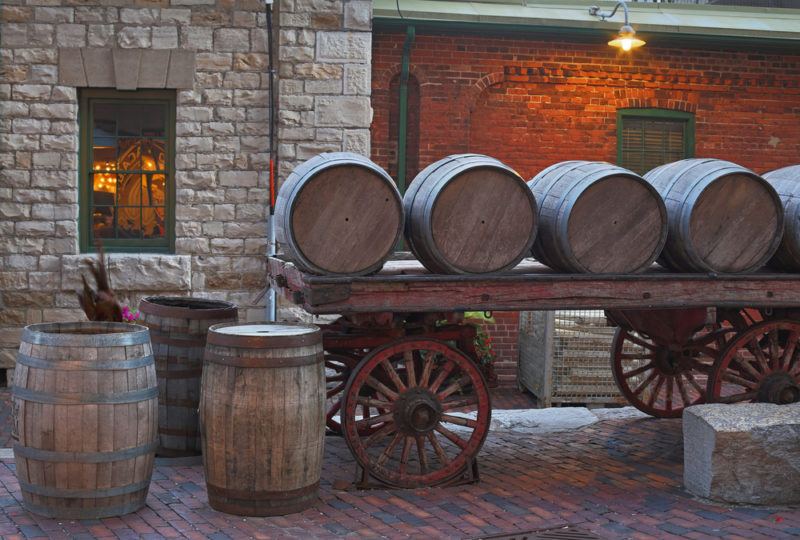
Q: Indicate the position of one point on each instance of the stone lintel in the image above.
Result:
(153, 68)
(181, 69)
(126, 69)
(70, 68)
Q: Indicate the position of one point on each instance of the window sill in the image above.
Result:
(133, 271)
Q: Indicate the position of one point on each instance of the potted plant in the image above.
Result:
(483, 344)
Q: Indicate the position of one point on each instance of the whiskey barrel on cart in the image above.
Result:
(469, 214)
(262, 417)
(84, 407)
(338, 213)
(722, 217)
(595, 217)
(178, 328)
(786, 182)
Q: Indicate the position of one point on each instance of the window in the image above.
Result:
(126, 170)
(647, 138)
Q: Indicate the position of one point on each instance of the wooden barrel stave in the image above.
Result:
(338, 213)
(86, 437)
(577, 198)
(786, 182)
(452, 224)
(262, 418)
(722, 217)
(178, 328)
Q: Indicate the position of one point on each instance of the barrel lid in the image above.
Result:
(264, 334)
(267, 329)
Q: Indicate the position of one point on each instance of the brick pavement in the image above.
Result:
(619, 478)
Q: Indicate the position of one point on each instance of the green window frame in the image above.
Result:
(157, 175)
(647, 138)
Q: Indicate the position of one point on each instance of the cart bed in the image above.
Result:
(405, 286)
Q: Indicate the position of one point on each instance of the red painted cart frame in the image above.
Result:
(683, 339)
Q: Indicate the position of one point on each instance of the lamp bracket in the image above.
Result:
(594, 11)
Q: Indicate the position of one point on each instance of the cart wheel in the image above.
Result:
(337, 370)
(422, 388)
(662, 381)
(761, 364)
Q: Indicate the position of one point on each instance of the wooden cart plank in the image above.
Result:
(403, 286)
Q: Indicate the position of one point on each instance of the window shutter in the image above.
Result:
(647, 143)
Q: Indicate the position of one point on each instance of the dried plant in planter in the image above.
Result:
(102, 304)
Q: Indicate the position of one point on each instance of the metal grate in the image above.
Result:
(561, 533)
(581, 366)
(564, 357)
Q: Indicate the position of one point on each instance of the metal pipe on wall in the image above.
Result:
(272, 303)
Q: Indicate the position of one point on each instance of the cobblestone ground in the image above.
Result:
(618, 478)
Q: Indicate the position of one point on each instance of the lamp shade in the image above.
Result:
(626, 39)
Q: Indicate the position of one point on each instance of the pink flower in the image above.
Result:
(128, 315)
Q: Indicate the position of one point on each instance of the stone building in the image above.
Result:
(145, 124)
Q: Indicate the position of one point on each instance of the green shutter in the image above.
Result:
(647, 138)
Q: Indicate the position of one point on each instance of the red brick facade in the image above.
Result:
(533, 103)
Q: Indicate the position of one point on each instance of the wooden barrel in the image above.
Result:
(469, 214)
(595, 217)
(338, 213)
(262, 417)
(178, 328)
(786, 182)
(722, 217)
(85, 418)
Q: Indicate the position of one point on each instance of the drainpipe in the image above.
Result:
(272, 301)
(403, 116)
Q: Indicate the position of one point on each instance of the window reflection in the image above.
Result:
(128, 176)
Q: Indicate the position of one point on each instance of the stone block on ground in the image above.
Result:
(747, 453)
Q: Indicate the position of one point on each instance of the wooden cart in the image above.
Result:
(402, 371)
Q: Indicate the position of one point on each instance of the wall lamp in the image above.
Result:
(626, 39)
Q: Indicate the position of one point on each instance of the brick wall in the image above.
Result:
(533, 103)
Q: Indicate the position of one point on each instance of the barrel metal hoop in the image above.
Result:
(179, 374)
(178, 432)
(261, 495)
(236, 361)
(160, 339)
(51, 491)
(36, 396)
(84, 365)
(97, 512)
(186, 403)
(137, 336)
(84, 457)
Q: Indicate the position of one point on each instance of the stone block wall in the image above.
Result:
(325, 58)
(221, 160)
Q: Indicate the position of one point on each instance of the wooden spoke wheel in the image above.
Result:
(337, 370)
(434, 412)
(761, 364)
(663, 380)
